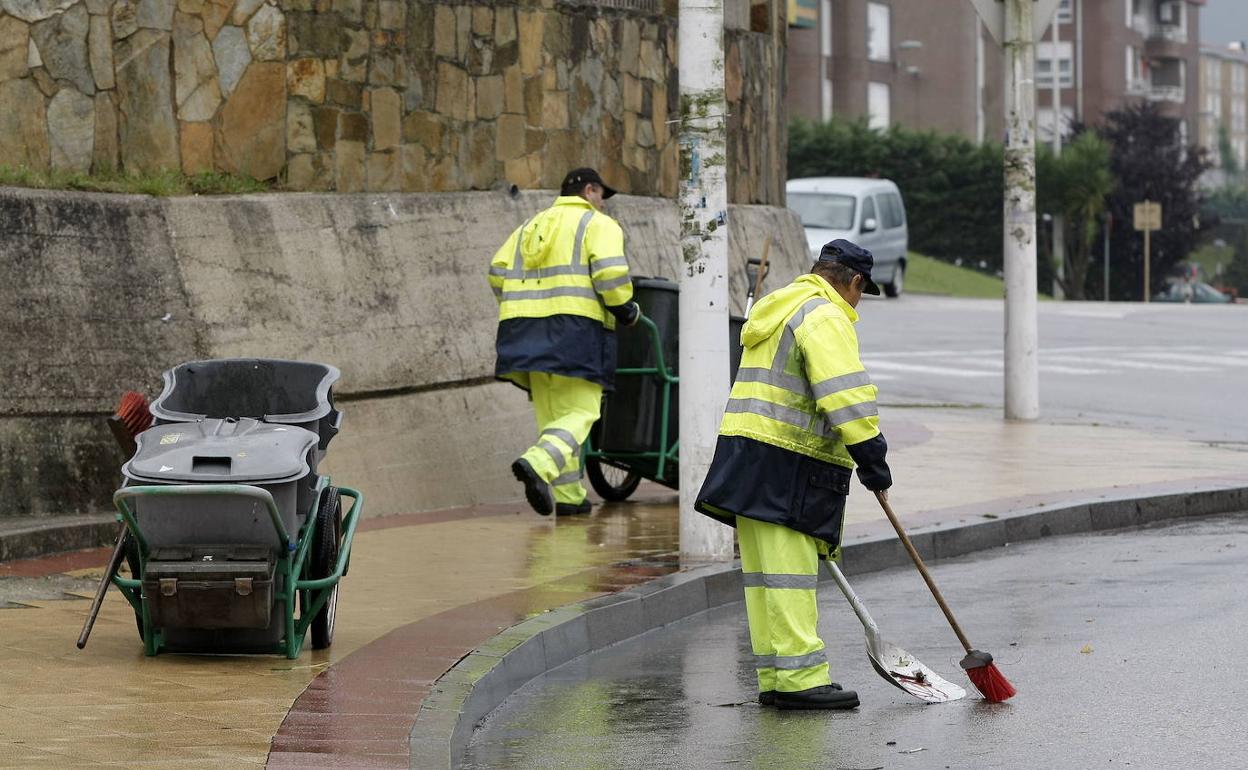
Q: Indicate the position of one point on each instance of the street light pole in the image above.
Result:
(1022, 374)
(704, 362)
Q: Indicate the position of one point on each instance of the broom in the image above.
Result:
(131, 418)
(978, 665)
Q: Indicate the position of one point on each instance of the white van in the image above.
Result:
(868, 212)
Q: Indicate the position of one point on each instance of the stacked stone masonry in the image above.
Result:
(377, 95)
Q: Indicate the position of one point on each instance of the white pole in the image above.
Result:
(704, 268)
(1022, 375)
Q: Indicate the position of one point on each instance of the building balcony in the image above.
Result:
(1166, 47)
(1172, 33)
(1167, 94)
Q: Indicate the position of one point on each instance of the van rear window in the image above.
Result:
(823, 210)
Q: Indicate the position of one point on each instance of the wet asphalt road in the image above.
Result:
(1128, 650)
(1178, 368)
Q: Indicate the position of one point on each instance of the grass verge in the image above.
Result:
(157, 183)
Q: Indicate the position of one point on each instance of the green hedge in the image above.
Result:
(952, 187)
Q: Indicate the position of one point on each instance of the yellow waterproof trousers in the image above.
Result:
(566, 408)
(780, 569)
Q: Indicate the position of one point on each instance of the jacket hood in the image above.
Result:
(539, 235)
(770, 313)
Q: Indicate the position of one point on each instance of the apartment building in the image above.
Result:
(931, 64)
(1224, 101)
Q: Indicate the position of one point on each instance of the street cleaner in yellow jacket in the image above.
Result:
(802, 414)
(562, 284)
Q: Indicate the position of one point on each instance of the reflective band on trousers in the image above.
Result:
(762, 580)
(790, 662)
(555, 453)
(562, 291)
(564, 436)
(571, 477)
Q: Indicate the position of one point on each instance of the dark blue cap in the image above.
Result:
(854, 257)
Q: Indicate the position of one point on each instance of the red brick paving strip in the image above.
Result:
(360, 712)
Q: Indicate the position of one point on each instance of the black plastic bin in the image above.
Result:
(275, 391)
(632, 416)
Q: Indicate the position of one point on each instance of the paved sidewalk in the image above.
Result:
(425, 589)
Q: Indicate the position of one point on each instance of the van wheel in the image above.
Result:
(895, 287)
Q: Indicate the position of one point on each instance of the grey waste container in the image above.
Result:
(298, 393)
(632, 415)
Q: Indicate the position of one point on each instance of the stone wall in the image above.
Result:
(103, 292)
(379, 95)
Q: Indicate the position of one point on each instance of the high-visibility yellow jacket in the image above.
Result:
(555, 279)
(801, 385)
(802, 413)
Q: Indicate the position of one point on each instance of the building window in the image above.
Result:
(1065, 12)
(1065, 65)
(879, 34)
(879, 99)
(1237, 78)
(1044, 123)
(1137, 72)
(803, 14)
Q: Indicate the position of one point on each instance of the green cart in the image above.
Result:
(638, 436)
(236, 544)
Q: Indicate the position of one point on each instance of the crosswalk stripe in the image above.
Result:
(873, 365)
(1123, 363)
(1207, 360)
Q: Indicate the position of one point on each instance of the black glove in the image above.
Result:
(873, 471)
(627, 314)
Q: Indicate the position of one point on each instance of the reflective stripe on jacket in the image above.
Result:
(566, 260)
(801, 385)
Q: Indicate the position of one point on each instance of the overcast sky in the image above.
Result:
(1222, 21)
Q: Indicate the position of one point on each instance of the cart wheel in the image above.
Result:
(132, 561)
(614, 484)
(324, 558)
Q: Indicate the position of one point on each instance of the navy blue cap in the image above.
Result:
(577, 178)
(854, 257)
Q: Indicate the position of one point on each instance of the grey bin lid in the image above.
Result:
(223, 451)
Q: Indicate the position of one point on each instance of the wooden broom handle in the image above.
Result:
(762, 268)
(918, 562)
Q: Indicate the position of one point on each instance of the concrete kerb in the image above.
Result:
(484, 678)
(28, 538)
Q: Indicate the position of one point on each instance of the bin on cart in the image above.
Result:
(237, 543)
(637, 435)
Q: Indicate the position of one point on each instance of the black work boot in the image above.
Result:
(536, 490)
(570, 509)
(767, 698)
(828, 696)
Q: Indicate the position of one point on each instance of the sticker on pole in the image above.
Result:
(993, 14)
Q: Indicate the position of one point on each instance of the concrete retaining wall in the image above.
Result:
(104, 292)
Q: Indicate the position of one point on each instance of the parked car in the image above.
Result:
(1195, 291)
(869, 212)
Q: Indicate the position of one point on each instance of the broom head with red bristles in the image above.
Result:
(134, 413)
(132, 418)
(986, 677)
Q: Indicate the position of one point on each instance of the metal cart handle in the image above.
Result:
(122, 497)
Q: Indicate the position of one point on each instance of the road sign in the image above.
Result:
(993, 14)
(1147, 216)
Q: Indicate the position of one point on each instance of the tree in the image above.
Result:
(952, 186)
(1076, 184)
(1150, 163)
(1230, 162)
